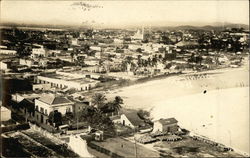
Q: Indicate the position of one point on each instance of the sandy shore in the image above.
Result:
(222, 113)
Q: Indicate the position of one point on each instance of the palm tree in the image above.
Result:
(98, 100)
(116, 104)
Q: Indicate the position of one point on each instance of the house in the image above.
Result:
(27, 62)
(8, 64)
(166, 125)
(4, 65)
(8, 52)
(39, 52)
(66, 80)
(96, 48)
(49, 103)
(5, 114)
(115, 118)
(18, 97)
(131, 119)
(27, 106)
(41, 86)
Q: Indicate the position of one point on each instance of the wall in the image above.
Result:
(5, 114)
(62, 83)
(170, 128)
(60, 107)
(43, 105)
(41, 86)
(79, 146)
(4, 51)
(26, 62)
(3, 66)
(127, 122)
(157, 127)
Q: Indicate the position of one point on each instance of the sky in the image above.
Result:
(125, 13)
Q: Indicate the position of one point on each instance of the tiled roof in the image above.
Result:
(116, 117)
(167, 121)
(134, 118)
(52, 100)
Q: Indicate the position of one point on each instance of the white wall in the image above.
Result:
(127, 122)
(3, 66)
(5, 51)
(63, 83)
(157, 127)
(5, 114)
(60, 107)
(26, 62)
(41, 86)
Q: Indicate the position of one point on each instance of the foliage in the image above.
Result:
(98, 99)
(55, 117)
(96, 119)
(143, 114)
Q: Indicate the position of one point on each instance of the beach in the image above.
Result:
(213, 103)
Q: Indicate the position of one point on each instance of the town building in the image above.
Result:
(8, 52)
(5, 114)
(166, 125)
(66, 80)
(131, 119)
(96, 48)
(8, 64)
(27, 62)
(39, 52)
(139, 35)
(41, 86)
(49, 103)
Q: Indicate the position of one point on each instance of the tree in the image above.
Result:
(139, 50)
(199, 59)
(55, 117)
(98, 99)
(149, 62)
(68, 116)
(143, 114)
(115, 106)
(139, 60)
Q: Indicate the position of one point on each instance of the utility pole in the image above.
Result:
(77, 122)
(135, 145)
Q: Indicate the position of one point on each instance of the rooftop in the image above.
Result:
(134, 118)
(78, 79)
(53, 100)
(167, 121)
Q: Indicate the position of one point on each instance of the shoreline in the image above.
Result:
(240, 80)
(179, 74)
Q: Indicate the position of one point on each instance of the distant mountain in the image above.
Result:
(213, 26)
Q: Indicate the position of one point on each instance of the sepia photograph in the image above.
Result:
(124, 78)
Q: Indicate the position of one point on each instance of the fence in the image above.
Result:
(52, 136)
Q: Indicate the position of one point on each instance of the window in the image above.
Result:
(68, 109)
(36, 108)
(41, 110)
(46, 112)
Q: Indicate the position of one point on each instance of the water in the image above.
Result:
(222, 113)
